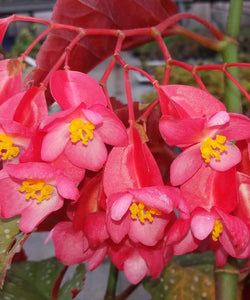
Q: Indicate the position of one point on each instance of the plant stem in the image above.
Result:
(226, 281)
(112, 282)
(230, 54)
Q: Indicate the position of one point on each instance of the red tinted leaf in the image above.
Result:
(91, 50)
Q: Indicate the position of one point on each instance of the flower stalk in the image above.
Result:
(226, 281)
(112, 283)
(230, 54)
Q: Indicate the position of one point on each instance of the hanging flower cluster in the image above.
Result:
(106, 175)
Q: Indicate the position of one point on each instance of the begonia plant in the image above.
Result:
(147, 187)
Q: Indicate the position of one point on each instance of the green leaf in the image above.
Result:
(74, 284)
(31, 280)
(9, 229)
(26, 280)
(182, 283)
(191, 259)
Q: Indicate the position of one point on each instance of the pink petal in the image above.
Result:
(147, 233)
(182, 132)
(177, 231)
(135, 268)
(70, 88)
(12, 201)
(143, 164)
(112, 131)
(117, 175)
(228, 159)
(97, 257)
(154, 259)
(237, 129)
(93, 116)
(95, 228)
(185, 165)
(73, 172)
(118, 229)
(163, 198)
(69, 244)
(91, 156)
(54, 143)
(8, 107)
(219, 119)
(220, 257)
(208, 188)
(193, 101)
(66, 188)
(31, 170)
(32, 108)
(120, 206)
(235, 235)
(243, 209)
(35, 213)
(188, 244)
(202, 224)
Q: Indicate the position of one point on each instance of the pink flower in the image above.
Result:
(141, 214)
(81, 134)
(205, 141)
(73, 246)
(14, 140)
(33, 190)
(138, 261)
(225, 234)
(228, 235)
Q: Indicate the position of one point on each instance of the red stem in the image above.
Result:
(61, 59)
(131, 114)
(180, 16)
(240, 87)
(32, 45)
(148, 111)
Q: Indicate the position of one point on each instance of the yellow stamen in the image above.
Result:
(213, 148)
(143, 212)
(7, 151)
(217, 230)
(77, 128)
(36, 189)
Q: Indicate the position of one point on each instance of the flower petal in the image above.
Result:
(202, 224)
(35, 213)
(182, 132)
(185, 165)
(91, 156)
(135, 268)
(228, 159)
(54, 143)
(69, 244)
(120, 206)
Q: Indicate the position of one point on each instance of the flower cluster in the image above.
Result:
(107, 181)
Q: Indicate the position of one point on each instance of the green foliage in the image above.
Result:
(25, 37)
(29, 280)
(9, 229)
(182, 283)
